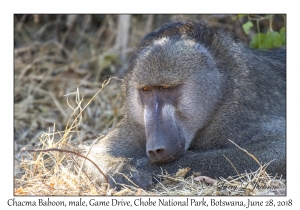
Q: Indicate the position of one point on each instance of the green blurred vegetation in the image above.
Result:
(268, 39)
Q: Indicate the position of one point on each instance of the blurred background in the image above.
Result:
(61, 61)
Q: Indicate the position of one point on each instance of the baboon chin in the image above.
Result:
(189, 89)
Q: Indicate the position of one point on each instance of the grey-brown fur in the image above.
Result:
(217, 89)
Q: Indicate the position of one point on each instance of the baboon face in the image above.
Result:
(172, 89)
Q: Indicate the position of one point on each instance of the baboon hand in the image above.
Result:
(131, 175)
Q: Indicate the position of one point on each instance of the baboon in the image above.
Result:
(187, 91)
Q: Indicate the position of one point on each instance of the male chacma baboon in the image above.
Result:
(187, 91)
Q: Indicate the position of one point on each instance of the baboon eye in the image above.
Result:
(165, 87)
(146, 89)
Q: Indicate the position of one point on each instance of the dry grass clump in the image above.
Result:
(53, 169)
(254, 183)
(52, 58)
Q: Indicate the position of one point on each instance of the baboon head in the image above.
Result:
(172, 88)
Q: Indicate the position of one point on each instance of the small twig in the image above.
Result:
(68, 151)
(57, 104)
(81, 167)
(21, 23)
(128, 179)
(232, 165)
(166, 189)
(81, 110)
(248, 153)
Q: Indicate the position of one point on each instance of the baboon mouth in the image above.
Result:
(169, 158)
(165, 160)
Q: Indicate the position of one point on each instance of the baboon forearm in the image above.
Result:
(225, 162)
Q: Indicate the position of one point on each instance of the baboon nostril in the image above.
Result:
(159, 151)
(151, 153)
(157, 154)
